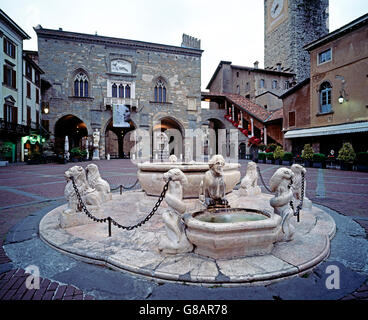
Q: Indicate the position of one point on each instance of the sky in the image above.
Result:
(231, 30)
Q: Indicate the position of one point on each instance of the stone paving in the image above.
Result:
(27, 190)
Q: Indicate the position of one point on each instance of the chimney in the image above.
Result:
(278, 66)
(256, 65)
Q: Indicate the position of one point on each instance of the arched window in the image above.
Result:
(127, 91)
(81, 85)
(114, 90)
(325, 97)
(160, 91)
(121, 91)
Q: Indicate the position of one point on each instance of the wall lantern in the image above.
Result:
(45, 108)
(343, 95)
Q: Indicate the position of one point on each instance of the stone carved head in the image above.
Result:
(216, 164)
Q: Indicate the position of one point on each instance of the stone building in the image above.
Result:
(249, 98)
(332, 106)
(89, 78)
(288, 26)
(19, 95)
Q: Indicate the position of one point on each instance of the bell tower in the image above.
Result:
(288, 26)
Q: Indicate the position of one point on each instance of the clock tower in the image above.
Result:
(289, 26)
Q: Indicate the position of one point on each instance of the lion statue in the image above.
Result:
(72, 216)
(249, 184)
(280, 183)
(297, 185)
(212, 188)
(175, 241)
(95, 181)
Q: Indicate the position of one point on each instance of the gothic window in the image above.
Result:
(160, 91)
(114, 90)
(127, 91)
(81, 85)
(325, 97)
(121, 91)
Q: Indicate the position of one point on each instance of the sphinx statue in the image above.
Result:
(249, 184)
(175, 241)
(280, 183)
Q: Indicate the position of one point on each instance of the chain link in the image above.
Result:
(82, 207)
(264, 184)
(300, 205)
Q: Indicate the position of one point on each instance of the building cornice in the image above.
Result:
(110, 41)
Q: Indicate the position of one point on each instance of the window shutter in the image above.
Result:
(14, 79)
(5, 113)
(15, 115)
(5, 75)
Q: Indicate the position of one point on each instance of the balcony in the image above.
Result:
(110, 101)
(13, 128)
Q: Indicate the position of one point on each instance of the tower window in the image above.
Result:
(274, 84)
(262, 83)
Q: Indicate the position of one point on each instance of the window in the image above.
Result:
(325, 97)
(127, 91)
(237, 74)
(28, 116)
(37, 79)
(9, 48)
(10, 114)
(28, 90)
(28, 71)
(37, 96)
(160, 91)
(291, 118)
(237, 89)
(262, 83)
(286, 84)
(10, 77)
(247, 87)
(274, 84)
(81, 85)
(37, 119)
(114, 90)
(121, 91)
(324, 56)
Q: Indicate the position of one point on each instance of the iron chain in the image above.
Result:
(82, 206)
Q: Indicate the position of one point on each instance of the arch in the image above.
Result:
(71, 126)
(175, 131)
(117, 139)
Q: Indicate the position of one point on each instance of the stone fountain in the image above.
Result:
(204, 232)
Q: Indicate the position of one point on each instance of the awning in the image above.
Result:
(328, 130)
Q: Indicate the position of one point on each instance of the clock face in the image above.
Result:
(120, 66)
(276, 8)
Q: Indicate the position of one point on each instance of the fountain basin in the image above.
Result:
(234, 232)
(150, 176)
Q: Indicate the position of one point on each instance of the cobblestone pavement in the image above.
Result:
(26, 189)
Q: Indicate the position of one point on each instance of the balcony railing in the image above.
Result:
(126, 101)
(15, 128)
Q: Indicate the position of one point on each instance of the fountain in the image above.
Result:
(203, 232)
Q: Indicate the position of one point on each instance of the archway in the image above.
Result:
(70, 126)
(174, 144)
(117, 140)
(212, 137)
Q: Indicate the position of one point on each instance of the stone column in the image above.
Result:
(96, 144)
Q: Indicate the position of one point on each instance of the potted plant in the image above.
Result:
(84, 155)
(262, 157)
(362, 161)
(346, 156)
(271, 147)
(319, 160)
(287, 159)
(269, 158)
(76, 154)
(307, 155)
(278, 155)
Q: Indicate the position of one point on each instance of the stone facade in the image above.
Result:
(63, 55)
(299, 23)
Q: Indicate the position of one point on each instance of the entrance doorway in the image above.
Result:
(117, 141)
